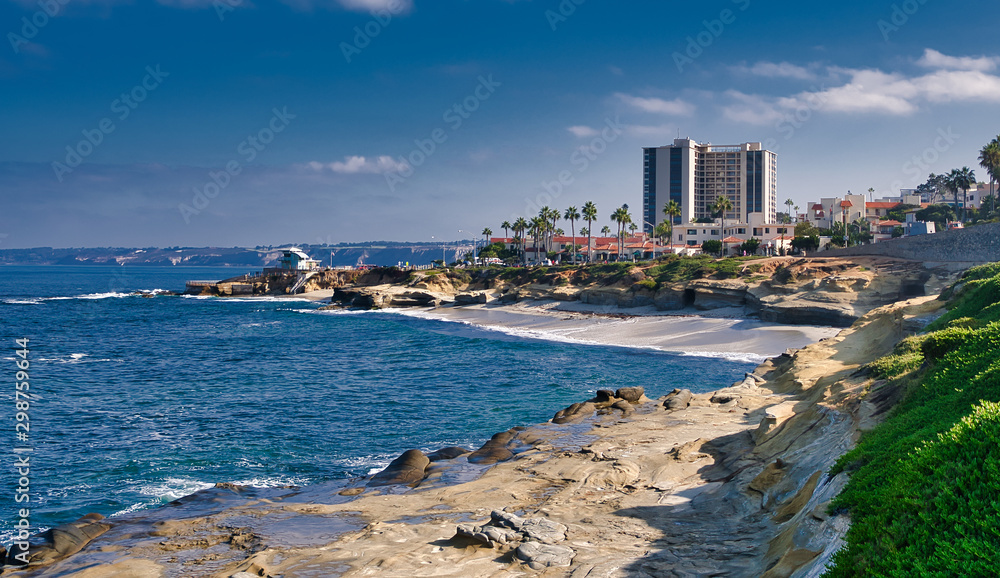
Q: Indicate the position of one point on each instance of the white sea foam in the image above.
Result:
(272, 482)
(256, 299)
(86, 297)
(728, 356)
(174, 488)
(77, 358)
(92, 296)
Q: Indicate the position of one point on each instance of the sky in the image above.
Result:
(252, 122)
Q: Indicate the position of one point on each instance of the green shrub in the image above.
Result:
(936, 345)
(924, 484)
(905, 357)
(895, 365)
(646, 283)
(967, 322)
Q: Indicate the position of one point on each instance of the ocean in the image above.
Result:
(137, 400)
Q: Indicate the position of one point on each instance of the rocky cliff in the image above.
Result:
(815, 291)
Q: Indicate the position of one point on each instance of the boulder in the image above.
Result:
(60, 542)
(575, 412)
(488, 535)
(604, 395)
(625, 407)
(540, 556)
(448, 453)
(493, 451)
(538, 529)
(630, 394)
(473, 298)
(408, 469)
(678, 399)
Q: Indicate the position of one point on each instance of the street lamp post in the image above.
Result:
(652, 228)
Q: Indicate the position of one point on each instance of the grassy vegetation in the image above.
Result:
(924, 493)
(674, 269)
(669, 269)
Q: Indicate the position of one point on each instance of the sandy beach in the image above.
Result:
(723, 333)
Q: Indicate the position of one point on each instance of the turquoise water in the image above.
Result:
(141, 400)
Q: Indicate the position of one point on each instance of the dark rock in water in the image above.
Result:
(60, 542)
(407, 469)
(448, 453)
(494, 450)
(574, 412)
(678, 399)
(624, 406)
(630, 394)
(604, 395)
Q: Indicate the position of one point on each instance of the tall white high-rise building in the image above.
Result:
(695, 175)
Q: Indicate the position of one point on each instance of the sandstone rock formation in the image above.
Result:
(408, 469)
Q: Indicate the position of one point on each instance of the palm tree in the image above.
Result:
(605, 230)
(723, 204)
(520, 226)
(554, 216)
(989, 159)
(589, 215)
(796, 209)
(622, 217)
(486, 233)
(670, 211)
(788, 203)
(505, 226)
(963, 179)
(572, 215)
(618, 218)
(538, 225)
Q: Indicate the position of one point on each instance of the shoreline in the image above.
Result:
(611, 482)
(726, 333)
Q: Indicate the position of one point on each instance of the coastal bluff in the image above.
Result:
(835, 291)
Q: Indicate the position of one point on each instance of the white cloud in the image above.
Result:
(583, 131)
(934, 59)
(676, 107)
(370, 5)
(393, 6)
(778, 70)
(752, 108)
(873, 91)
(353, 165)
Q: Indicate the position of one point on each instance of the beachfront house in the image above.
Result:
(294, 259)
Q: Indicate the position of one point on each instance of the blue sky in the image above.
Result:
(239, 122)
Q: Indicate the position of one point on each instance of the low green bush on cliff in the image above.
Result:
(675, 269)
(906, 356)
(924, 493)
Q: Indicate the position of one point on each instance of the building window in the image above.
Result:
(680, 237)
(692, 232)
(715, 232)
(767, 230)
(741, 231)
(692, 243)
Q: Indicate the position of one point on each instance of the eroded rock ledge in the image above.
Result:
(797, 291)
